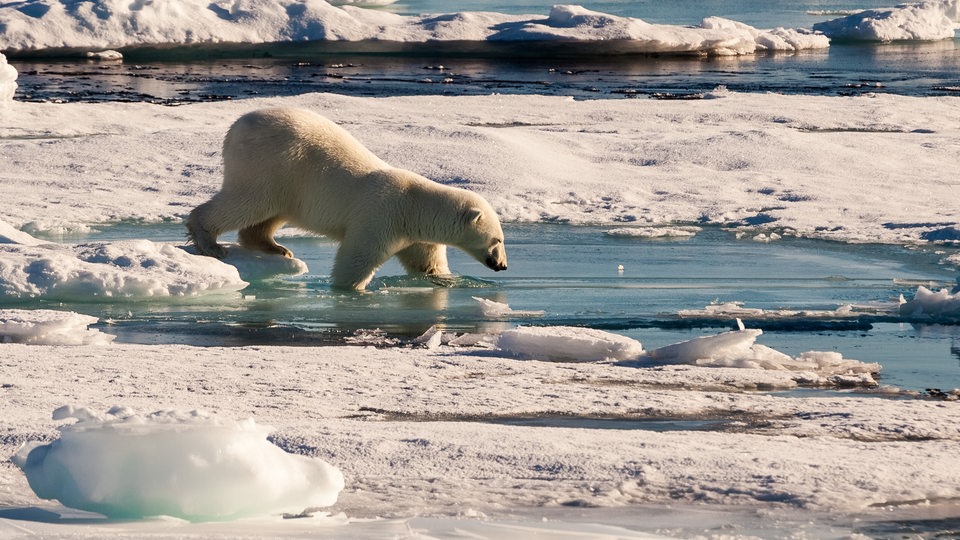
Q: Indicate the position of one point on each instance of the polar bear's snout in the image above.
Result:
(497, 258)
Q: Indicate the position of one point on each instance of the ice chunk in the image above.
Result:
(8, 80)
(654, 232)
(931, 304)
(738, 348)
(49, 327)
(568, 344)
(192, 466)
(725, 347)
(493, 309)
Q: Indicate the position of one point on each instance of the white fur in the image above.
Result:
(295, 166)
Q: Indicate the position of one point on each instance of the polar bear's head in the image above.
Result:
(481, 235)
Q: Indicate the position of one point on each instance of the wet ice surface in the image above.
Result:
(804, 294)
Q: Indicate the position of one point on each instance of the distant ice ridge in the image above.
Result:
(8, 80)
(188, 465)
(43, 24)
(922, 21)
(131, 269)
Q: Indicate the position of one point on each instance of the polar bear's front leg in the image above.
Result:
(425, 258)
(358, 258)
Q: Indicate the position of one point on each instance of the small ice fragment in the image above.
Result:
(493, 309)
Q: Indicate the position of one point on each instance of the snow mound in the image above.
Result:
(927, 303)
(101, 24)
(130, 269)
(567, 344)
(928, 20)
(49, 327)
(191, 466)
(8, 80)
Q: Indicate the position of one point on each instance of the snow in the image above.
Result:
(394, 422)
(921, 21)
(191, 466)
(49, 327)
(131, 269)
(649, 163)
(403, 424)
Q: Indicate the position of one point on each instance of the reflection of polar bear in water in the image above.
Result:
(294, 166)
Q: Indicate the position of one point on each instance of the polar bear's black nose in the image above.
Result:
(494, 265)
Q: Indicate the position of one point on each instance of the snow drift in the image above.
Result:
(922, 21)
(192, 466)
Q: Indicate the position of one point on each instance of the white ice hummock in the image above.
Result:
(8, 80)
(922, 21)
(568, 344)
(191, 466)
(49, 327)
(128, 269)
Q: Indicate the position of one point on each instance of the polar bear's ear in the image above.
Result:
(472, 215)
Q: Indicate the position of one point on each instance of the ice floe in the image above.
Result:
(42, 24)
(49, 327)
(129, 269)
(189, 465)
(8, 80)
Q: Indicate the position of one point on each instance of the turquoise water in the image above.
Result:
(571, 274)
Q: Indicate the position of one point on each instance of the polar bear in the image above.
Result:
(289, 165)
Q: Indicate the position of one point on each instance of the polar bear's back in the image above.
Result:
(272, 144)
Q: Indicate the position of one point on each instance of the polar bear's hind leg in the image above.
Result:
(203, 233)
(425, 258)
(259, 237)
